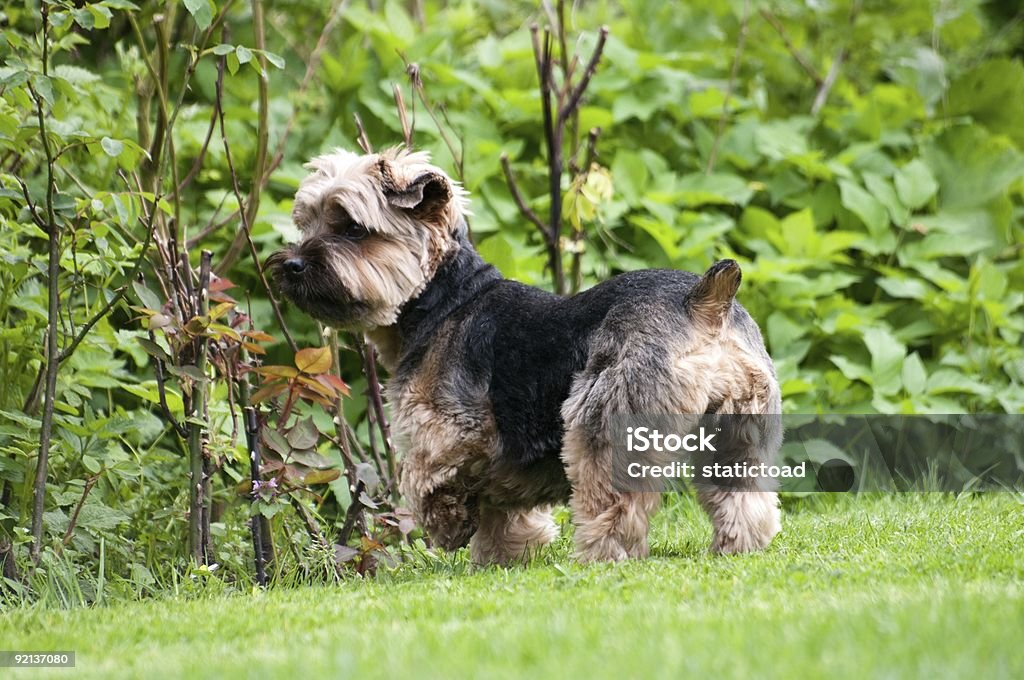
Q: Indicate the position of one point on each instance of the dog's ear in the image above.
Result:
(425, 196)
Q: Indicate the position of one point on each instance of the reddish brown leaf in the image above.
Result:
(268, 391)
(317, 387)
(334, 382)
(218, 284)
(313, 360)
(253, 348)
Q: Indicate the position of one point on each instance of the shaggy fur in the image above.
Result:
(503, 395)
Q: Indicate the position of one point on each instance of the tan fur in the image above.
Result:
(725, 372)
(395, 264)
(610, 525)
(447, 447)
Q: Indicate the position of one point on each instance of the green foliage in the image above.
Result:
(879, 231)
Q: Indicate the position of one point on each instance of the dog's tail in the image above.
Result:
(711, 298)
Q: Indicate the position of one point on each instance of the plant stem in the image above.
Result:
(252, 434)
(199, 518)
(52, 315)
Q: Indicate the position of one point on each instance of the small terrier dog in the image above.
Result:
(502, 394)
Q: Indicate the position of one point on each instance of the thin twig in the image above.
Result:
(40, 222)
(121, 292)
(52, 310)
(588, 73)
(161, 389)
(837, 64)
(336, 13)
(361, 138)
(403, 115)
(416, 81)
(73, 520)
(733, 72)
(524, 209)
(830, 80)
(797, 55)
(377, 402)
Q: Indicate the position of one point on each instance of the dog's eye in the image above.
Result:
(355, 231)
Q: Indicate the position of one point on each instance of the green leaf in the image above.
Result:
(993, 94)
(233, 62)
(887, 355)
(201, 11)
(882, 190)
(303, 435)
(84, 18)
(914, 289)
(630, 174)
(112, 147)
(120, 4)
(914, 375)
(972, 166)
(851, 369)
(268, 510)
(915, 184)
(865, 206)
(366, 474)
(717, 188)
(100, 15)
(244, 54)
(147, 297)
(276, 60)
(222, 49)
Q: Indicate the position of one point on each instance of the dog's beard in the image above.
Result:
(352, 286)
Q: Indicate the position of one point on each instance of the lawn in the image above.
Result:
(914, 585)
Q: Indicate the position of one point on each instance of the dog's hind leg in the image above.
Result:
(744, 511)
(625, 374)
(611, 525)
(506, 536)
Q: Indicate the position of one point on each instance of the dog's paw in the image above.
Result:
(747, 523)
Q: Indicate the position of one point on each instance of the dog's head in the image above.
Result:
(374, 229)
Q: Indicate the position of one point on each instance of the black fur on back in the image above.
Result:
(522, 346)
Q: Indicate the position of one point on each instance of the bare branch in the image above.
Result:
(525, 209)
(89, 483)
(837, 64)
(588, 73)
(740, 43)
(797, 55)
(362, 139)
(31, 206)
(830, 80)
(403, 115)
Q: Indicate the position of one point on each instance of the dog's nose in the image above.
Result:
(295, 265)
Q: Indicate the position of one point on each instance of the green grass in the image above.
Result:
(917, 585)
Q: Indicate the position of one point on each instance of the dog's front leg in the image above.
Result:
(440, 498)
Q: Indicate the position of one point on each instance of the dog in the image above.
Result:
(502, 395)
